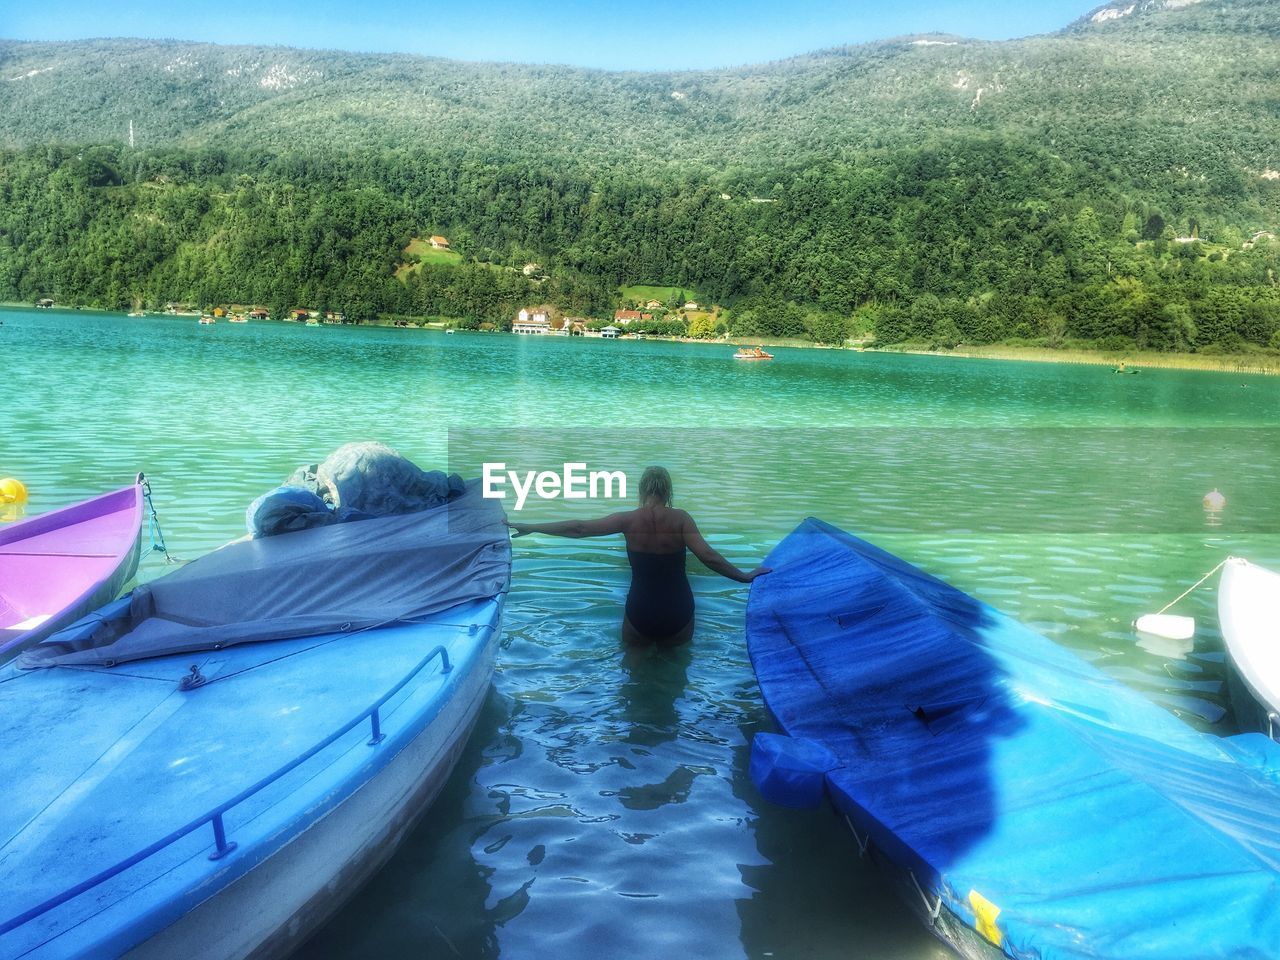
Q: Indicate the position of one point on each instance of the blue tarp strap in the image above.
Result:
(935, 909)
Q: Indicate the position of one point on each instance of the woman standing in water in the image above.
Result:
(660, 601)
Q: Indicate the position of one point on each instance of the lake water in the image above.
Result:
(603, 807)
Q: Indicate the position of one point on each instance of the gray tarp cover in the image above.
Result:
(326, 580)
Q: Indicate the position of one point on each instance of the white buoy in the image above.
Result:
(1167, 625)
(1214, 502)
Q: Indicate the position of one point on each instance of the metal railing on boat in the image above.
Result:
(213, 817)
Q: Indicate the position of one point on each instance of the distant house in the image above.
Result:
(691, 305)
(654, 304)
(625, 317)
(534, 321)
(439, 243)
(300, 314)
(531, 269)
(259, 314)
(44, 303)
(610, 333)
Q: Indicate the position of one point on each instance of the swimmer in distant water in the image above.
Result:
(660, 602)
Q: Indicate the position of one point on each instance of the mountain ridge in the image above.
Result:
(177, 92)
(916, 180)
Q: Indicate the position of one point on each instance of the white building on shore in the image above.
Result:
(535, 322)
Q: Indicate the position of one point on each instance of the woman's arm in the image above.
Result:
(577, 529)
(710, 556)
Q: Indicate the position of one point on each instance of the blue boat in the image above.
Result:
(1028, 805)
(211, 765)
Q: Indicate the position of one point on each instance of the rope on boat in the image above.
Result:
(1188, 591)
(153, 522)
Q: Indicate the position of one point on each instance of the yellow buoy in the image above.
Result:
(12, 491)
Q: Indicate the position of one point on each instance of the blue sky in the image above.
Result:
(652, 34)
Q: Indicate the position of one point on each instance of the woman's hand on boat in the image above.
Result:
(517, 529)
(757, 572)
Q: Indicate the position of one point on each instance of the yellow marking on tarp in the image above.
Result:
(984, 917)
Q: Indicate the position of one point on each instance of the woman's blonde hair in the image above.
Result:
(656, 482)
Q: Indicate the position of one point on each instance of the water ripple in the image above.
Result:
(603, 806)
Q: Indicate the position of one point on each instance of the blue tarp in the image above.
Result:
(1049, 805)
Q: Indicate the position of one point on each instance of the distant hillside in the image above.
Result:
(1207, 69)
(856, 177)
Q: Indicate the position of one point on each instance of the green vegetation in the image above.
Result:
(421, 251)
(955, 192)
(641, 293)
(418, 252)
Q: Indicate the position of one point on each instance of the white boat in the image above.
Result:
(235, 751)
(1249, 614)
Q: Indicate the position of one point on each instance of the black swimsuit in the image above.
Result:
(660, 603)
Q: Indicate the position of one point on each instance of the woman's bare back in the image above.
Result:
(655, 529)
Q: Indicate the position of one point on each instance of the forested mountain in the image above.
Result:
(933, 187)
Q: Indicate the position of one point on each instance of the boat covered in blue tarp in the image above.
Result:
(208, 767)
(1028, 804)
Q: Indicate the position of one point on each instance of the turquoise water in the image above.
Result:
(603, 807)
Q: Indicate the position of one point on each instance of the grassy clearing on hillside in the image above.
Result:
(643, 291)
(419, 252)
(425, 253)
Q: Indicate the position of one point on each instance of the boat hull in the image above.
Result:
(56, 567)
(345, 789)
(1249, 615)
(271, 911)
(1025, 803)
